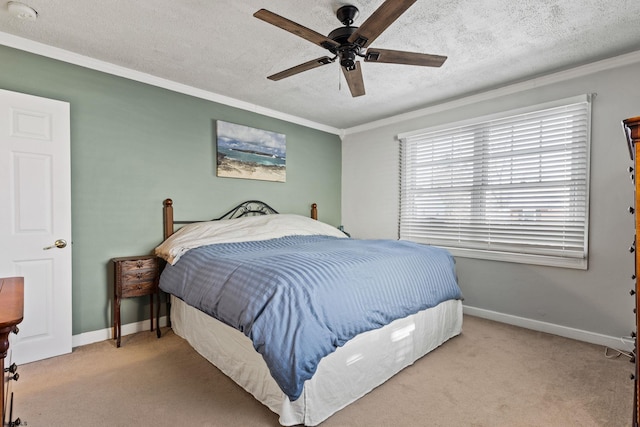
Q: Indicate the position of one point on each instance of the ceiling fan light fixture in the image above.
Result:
(22, 11)
(348, 59)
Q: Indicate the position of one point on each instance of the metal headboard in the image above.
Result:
(248, 208)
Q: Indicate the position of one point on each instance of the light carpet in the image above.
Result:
(493, 374)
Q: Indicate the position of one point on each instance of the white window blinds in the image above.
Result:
(512, 188)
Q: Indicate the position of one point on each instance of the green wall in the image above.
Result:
(132, 146)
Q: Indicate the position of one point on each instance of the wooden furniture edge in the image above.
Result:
(11, 308)
(11, 314)
(631, 127)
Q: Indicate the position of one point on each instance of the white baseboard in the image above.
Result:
(536, 325)
(551, 328)
(107, 333)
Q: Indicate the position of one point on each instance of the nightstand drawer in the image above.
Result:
(138, 289)
(138, 264)
(138, 275)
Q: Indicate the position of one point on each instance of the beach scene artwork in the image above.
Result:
(250, 153)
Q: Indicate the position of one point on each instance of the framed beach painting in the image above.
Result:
(250, 153)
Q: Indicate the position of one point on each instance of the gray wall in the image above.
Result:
(132, 146)
(596, 300)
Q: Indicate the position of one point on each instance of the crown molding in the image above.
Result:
(41, 49)
(109, 68)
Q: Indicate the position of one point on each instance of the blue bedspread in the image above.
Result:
(298, 298)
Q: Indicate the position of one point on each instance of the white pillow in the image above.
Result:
(243, 229)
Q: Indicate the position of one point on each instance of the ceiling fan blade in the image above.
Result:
(384, 16)
(295, 28)
(354, 80)
(401, 57)
(300, 68)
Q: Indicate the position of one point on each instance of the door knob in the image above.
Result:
(60, 243)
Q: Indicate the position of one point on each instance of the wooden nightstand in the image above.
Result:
(135, 276)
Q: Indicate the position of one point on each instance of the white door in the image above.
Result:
(35, 189)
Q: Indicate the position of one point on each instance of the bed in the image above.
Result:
(250, 292)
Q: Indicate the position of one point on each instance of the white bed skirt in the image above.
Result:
(344, 376)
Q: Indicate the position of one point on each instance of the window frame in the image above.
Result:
(549, 259)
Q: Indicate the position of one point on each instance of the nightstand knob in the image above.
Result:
(139, 275)
(139, 264)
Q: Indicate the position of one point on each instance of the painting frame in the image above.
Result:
(250, 153)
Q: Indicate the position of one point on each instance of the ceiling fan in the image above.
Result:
(348, 43)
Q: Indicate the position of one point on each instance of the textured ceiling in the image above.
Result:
(218, 46)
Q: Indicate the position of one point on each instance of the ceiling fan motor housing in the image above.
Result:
(347, 51)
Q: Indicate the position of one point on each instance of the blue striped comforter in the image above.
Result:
(298, 298)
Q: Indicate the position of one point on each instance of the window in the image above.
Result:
(512, 187)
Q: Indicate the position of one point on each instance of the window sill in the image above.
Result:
(549, 261)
